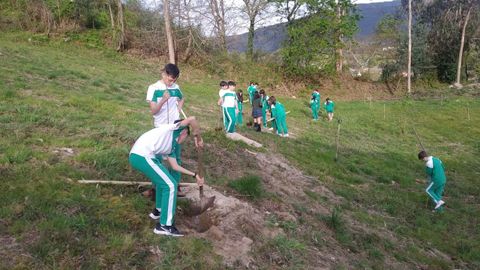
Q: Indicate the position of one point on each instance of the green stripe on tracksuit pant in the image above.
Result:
(166, 195)
(229, 119)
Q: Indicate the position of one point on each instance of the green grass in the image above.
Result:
(55, 94)
(250, 186)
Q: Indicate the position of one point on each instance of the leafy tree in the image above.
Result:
(445, 21)
(313, 41)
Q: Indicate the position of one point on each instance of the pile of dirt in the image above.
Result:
(231, 226)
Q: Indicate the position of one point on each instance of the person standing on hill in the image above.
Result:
(264, 99)
(240, 107)
(257, 111)
(251, 91)
(314, 107)
(162, 141)
(436, 177)
(229, 104)
(329, 107)
(166, 101)
(165, 97)
(278, 111)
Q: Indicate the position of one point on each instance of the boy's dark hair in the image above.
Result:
(422, 154)
(171, 70)
(256, 95)
(328, 99)
(240, 95)
(187, 127)
(272, 99)
(231, 83)
(223, 83)
(262, 92)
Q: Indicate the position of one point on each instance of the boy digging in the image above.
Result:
(144, 157)
(436, 176)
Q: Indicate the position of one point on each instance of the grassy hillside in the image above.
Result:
(57, 96)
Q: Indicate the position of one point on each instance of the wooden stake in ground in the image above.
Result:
(468, 113)
(384, 116)
(337, 140)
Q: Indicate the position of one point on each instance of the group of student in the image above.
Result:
(232, 100)
(163, 143)
(315, 106)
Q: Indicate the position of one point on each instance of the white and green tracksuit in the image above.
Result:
(169, 112)
(436, 174)
(251, 90)
(229, 105)
(329, 106)
(240, 113)
(314, 107)
(143, 157)
(278, 111)
(264, 110)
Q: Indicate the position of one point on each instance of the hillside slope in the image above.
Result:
(70, 113)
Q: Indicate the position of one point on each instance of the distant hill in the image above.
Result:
(270, 38)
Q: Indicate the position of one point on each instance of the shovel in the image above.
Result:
(197, 208)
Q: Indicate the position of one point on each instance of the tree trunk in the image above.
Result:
(168, 31)
(460, 54)
(339, 51)
(188, 51)
(218, 12)
(409, 72)
(112, 21)
(121, 38)
(251, 36)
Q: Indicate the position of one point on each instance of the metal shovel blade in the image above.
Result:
(199, 207)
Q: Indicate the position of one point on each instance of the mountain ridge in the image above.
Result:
(269, 39)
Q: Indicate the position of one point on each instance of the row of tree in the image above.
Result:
(444, 40)
(318, 31)
(196, 26)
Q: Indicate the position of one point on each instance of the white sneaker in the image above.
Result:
(280, 134)
(440, 203)
(286, 135)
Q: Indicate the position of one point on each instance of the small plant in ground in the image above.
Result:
(334, 221)
(250, 186)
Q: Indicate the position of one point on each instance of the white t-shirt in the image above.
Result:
(169, 111)
(157, 141)
(229, 98)
(220, 92)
